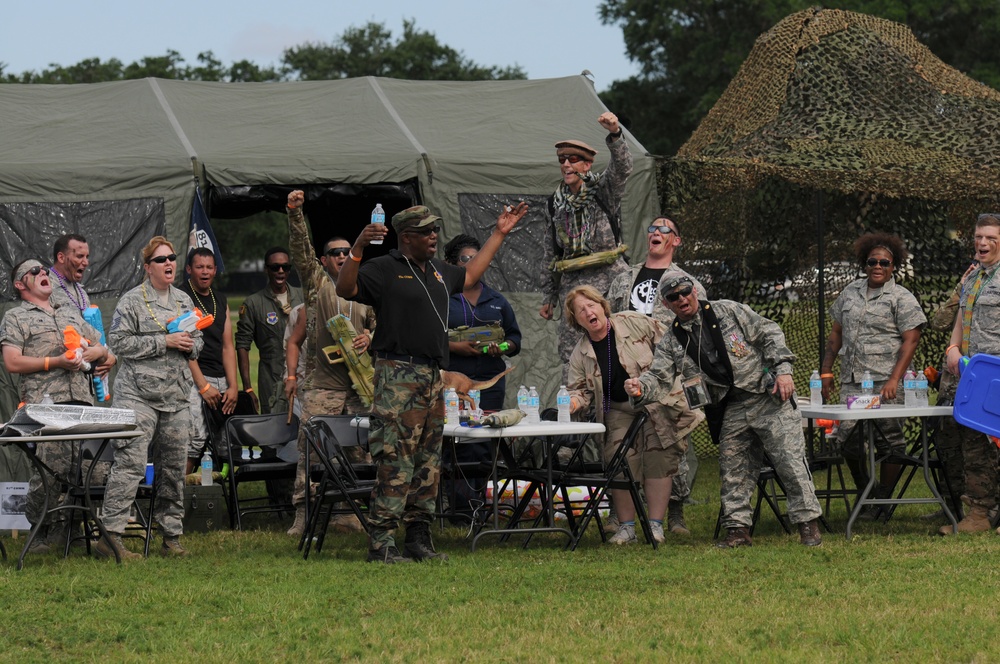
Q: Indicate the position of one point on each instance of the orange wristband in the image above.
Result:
(46, 363)
(826, 375)
(948, 349)
(350, 254)
(205, 389)
(249, 390)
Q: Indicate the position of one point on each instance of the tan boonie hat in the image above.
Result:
(417, 216)
(579, 148)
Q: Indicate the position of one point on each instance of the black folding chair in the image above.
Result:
(252, 455)
(344, 485)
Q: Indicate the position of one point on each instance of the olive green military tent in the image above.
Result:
(118, 163)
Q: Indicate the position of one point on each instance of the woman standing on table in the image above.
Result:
(876, 325)
(477, 306)
(615, 347)
(153, 380)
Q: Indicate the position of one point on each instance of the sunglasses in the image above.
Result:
(426, 231)
(571, 158)
(662, 230)
(35, 271)
(279, 267)
(676, 295)
(465, 259)
(163, 259)
(881, 262)
(338, 251)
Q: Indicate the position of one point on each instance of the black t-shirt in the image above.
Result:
(642, 297)
(210, 357)
(411, 305)
(618, 374)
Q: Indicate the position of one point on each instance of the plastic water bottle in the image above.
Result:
(815, 389)
(522, 399)
(47, 400)
(563, 404)
(206, 469)
(534, 406)
(451, 414)
(475, 396)
(910, 389)
(867, 385)
(922, 390)
(378, 217)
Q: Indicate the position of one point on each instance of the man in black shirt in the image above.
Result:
(409, 291)
(214, 372)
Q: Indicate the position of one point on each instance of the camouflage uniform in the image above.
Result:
(39, 333)
(873, 327)
(155, 382)
(262, 322)
(555, 286)
(979, 454)
(662, 443)
(755, 422)
(621, 298)
(326, 389)
(948, 441)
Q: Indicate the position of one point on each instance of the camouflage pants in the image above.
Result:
(948, 441)
(980, 459)
(60, 458)
(319, 402)
(199, 425)
(407, 421)
(680, 490)
(169, 434)
(757, 425)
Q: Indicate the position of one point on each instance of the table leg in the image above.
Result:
(40, 467)
(862, 500)
(929, 480)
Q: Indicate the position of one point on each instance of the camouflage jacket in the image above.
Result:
(319, 293)
(147, 370)
(600, 237)
(984, 336)
(636, 336)
(39, 333)
(873, 327)
(753, 344)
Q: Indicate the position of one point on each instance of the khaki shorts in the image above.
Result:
(651, 456)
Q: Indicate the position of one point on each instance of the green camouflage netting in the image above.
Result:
(837, 124)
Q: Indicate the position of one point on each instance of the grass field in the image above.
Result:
(893, 593)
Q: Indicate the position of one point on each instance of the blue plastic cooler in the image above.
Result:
(977, 399)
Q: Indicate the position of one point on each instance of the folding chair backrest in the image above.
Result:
(263, 431)
(337, 434)
(216, 420)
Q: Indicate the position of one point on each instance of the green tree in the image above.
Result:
(689, 51)
(371, 51)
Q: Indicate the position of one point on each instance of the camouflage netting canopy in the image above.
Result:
(837, 124)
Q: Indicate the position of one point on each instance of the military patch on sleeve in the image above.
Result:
(243, 310)
(115, 320)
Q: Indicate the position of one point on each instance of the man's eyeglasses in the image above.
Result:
(279, 267)
(338, 251)
(881, 262)
(465, 259)
(676, 295)
(662, 230)
(571, 158)
(35, 271)
(425, 231)
(160, 260)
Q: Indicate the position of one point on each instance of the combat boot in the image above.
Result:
(40, 544)
(387, 554)
(809, 533)
(107, 546)
(418, 543)
(735, 537)
(675, 518)
(299, 525)
(976, 521)
(171, 547)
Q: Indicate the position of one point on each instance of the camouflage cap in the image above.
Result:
(579, 148)
(417, 216)
(673, 279)
(25, 267)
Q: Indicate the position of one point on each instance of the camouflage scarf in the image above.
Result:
(572, 216)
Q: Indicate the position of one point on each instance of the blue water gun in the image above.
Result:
(93, 317)
(189, 321)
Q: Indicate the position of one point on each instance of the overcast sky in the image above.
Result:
(547, 39)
